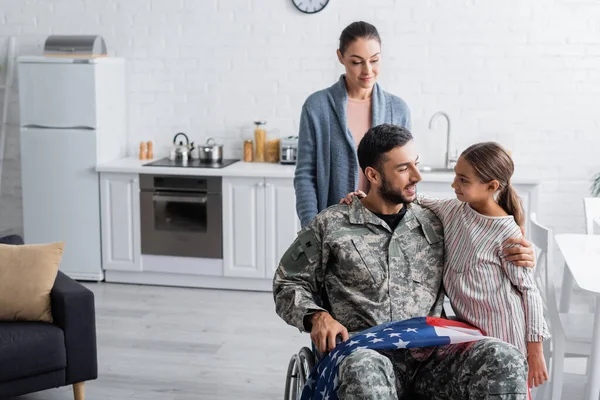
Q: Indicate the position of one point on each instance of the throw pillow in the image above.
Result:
(27, 275)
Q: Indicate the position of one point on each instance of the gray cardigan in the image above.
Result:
(327, 166)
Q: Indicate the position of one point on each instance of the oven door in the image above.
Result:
(181, 224)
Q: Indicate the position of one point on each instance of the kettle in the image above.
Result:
(181, 151)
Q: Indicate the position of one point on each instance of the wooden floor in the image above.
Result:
(188, 344)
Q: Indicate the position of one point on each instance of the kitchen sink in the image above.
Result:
(436, 169)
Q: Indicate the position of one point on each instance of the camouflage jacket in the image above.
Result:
(370, 275)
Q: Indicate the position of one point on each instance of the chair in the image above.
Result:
(591, 206)
(37, 356)
(571, 332)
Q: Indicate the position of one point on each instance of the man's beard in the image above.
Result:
(389, 194)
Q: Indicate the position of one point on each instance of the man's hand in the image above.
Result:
(521, 255)
(324, 330)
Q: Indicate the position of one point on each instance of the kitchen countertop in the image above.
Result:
(258, 170)
(240, 168)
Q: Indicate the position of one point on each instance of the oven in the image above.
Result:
(181, 216)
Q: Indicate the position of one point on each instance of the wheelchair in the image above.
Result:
(298, 371)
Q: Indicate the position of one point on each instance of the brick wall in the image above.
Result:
(524, 73)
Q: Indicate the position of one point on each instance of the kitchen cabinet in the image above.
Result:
(259, 224)
(120, 216)
(244, 227)
(282, 223)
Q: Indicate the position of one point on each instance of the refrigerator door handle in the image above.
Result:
(76, 128)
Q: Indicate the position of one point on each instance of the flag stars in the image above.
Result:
(400, 344)
(323, 373)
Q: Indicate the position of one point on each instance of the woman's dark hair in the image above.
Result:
(355, 31)
(491, 162)
(378, 141)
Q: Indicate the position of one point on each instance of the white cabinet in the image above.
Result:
(120, 215)
(282, 223)
(244, 227)
(259, 224)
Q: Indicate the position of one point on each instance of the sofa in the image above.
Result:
(37, 356)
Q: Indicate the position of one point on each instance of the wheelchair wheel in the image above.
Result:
(299, 368)
(291, 379)
(308, 361)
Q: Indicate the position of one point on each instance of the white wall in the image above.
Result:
(522, 72)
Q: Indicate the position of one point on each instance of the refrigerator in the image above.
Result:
(72, 117)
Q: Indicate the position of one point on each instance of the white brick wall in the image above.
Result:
(523, 72)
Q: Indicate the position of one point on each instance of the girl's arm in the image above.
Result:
(444, 209)
(538, 372)
(536, 329)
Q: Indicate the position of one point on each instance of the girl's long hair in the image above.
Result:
(491, 162)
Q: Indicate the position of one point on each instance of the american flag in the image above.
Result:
(323, 382)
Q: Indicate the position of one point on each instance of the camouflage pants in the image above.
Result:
(486, 369)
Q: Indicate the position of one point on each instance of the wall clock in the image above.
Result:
(310, 6)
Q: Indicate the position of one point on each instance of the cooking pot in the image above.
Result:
(211, 152)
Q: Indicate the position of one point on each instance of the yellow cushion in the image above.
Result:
(27, 275)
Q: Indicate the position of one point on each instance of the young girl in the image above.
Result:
(485, 289)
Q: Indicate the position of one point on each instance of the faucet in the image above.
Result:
(450, 160)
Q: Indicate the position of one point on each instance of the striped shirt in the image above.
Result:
(484, 288)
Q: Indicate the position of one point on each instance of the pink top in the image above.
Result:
(359, 122)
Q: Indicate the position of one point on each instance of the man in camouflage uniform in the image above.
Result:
(377, 260)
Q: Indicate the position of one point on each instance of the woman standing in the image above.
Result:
(335, 119)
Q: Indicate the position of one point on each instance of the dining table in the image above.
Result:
(581, 253)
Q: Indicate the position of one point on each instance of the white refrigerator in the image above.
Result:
(72, 117)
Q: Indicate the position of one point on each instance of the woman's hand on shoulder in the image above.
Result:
(348, 199)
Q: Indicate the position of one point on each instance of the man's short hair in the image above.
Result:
(379, 140)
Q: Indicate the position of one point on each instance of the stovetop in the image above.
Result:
(166, 162)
